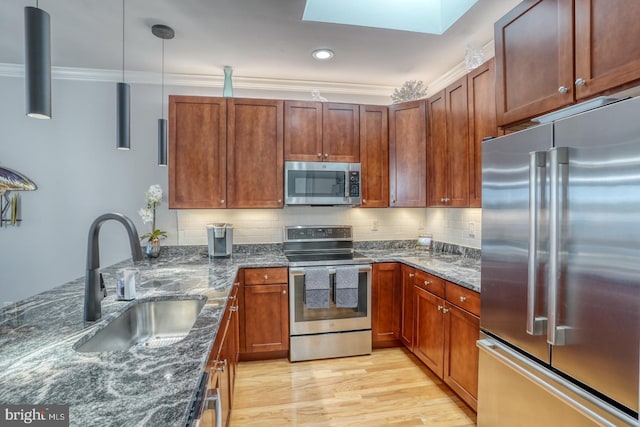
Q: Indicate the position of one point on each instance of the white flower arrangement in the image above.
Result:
(148, 214)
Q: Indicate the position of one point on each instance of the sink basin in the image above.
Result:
(156, 323)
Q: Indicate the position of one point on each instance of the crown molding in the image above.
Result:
(202, 80)
(458, 71)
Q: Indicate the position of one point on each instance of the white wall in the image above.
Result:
(80, 175)
(455, 225)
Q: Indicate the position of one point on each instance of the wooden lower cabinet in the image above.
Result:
(428, 343)
(407, 311)
(446, 329)
(461, 331)
(265, 308)
(385, 305)
(223, 360)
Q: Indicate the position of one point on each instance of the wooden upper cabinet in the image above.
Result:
(374, 156)
(448, 147)
(535, 54)
(437, 149)
(255, 166)
(482, 123)
(197, 152)
(317, 131)
(534, 59)
(303, 131)
(341, 132)
(607, 45)
(408, 154)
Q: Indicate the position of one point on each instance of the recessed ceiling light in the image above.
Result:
(322, 54)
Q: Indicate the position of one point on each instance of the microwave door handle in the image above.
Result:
(536, 325)
(347, 196)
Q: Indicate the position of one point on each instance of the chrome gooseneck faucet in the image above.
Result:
(94, 289)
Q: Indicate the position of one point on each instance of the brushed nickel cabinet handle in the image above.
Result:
(440, 307)
(319, 154)
(284, 291)
(463, 298)
(427, 283)
(221, 201)
(234, 308)
(412, 275)
(326, 155)
(279, 200)
(580, 82)
(563, 89)
(445, 310)
(266, 277)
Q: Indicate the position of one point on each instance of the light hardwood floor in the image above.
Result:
(388, 388)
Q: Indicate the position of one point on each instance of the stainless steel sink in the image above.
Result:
(156, 323)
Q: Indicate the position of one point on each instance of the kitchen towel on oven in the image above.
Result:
(347, 286)
(316, 287)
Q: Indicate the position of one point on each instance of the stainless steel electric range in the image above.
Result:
(329, 293)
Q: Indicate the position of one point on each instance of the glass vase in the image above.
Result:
(152, 250)
(227, 90)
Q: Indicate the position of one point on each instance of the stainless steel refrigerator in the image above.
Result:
(560, 303)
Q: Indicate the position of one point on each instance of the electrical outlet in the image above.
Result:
(374, 225)
(471, 229)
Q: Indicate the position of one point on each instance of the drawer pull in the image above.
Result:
(234, 308)
(445, 310)
(266, 277)
(284, 292)
(440, 307)
(412, 275)
(427, 283)
(463, 298)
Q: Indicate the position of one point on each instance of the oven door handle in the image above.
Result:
(300, 271)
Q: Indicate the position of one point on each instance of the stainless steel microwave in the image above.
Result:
(322, 183)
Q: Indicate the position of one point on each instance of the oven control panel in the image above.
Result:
(318, 233)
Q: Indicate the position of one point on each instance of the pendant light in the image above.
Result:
(165, 33)
(37, 64)
(123, 134)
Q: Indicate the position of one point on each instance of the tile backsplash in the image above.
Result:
(266, 225)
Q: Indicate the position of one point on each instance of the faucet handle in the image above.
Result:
(103, 288)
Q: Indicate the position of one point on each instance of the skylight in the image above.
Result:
(421, 16)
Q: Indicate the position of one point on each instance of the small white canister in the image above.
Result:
(126, 283)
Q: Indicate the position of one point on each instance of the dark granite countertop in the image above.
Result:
(147, 386)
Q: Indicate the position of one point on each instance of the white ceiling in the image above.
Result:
(258, 38)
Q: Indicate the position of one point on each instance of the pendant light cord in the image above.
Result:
(162, 100)
(123, 41)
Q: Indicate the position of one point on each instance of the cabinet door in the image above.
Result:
(374, 156)
(428, 343)
(341, 132)
(408, 154)
(197, 152)
(482, 123)
(457, 159)
(462, 330)
(406, 319)
(385, 301)
(437, 149)
(534, 59)
(266, 312)
(303, 131)
(255, 167)
(607, 38)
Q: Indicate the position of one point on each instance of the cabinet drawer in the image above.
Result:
(265, 276)
(430, 283)
(463, 298)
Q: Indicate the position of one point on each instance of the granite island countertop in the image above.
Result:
(146, 386)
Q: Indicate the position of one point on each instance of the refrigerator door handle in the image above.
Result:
(558, 175)
(536, 324)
